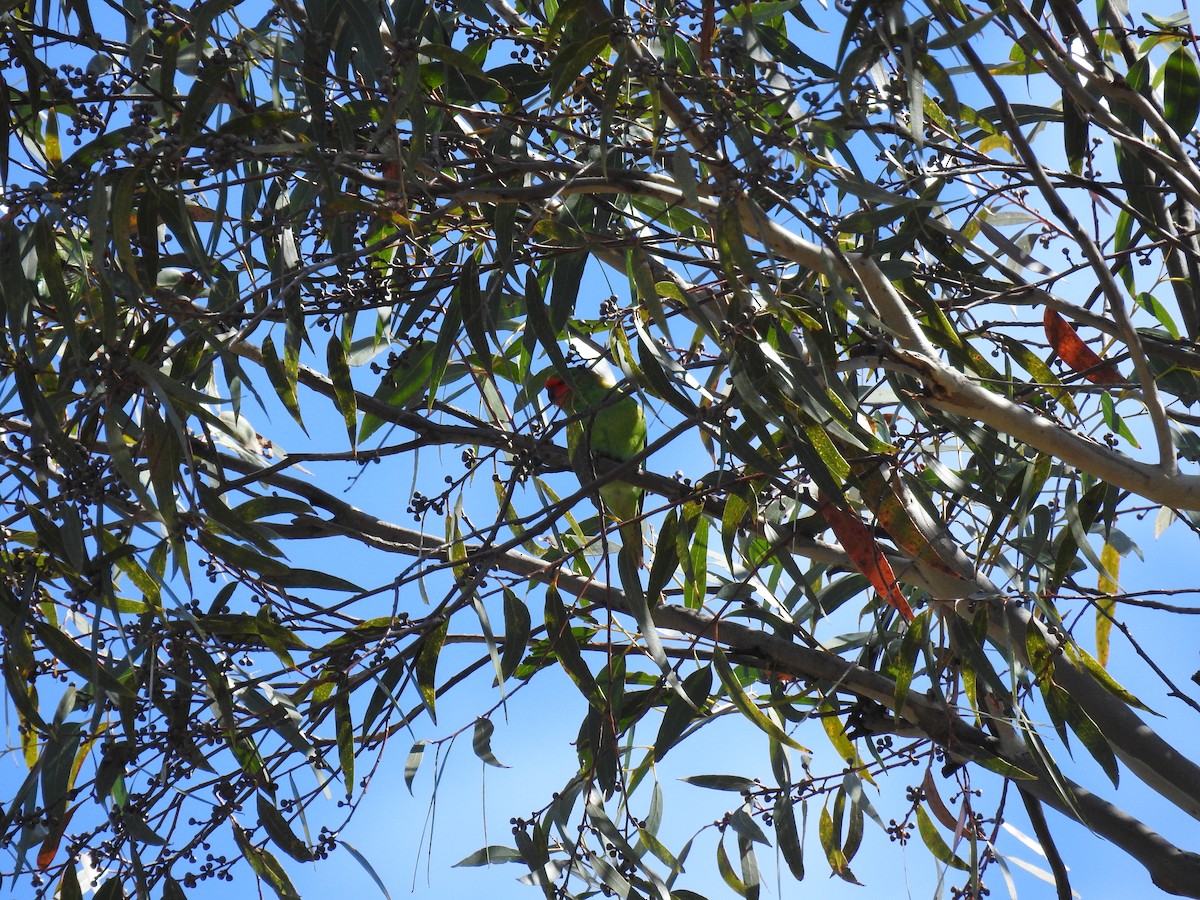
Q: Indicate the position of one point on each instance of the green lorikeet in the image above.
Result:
(609, 424)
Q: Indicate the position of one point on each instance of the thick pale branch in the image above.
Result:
(1108, 284)
(953, 392)
(949, 390)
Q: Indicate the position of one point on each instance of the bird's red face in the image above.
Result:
(558, 391)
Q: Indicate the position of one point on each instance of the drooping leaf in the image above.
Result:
(860, 545)
(481, 742)
(415, 755)
(936, 843)
(343, 387)
(265, 865)
(279, 831)
(425, 667)
(1105, 604)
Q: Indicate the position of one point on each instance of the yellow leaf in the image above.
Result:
(1106, 606)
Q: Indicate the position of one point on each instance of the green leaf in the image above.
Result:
(410, 376)
(962, 33)
(135, 824)
(68, 885)
(415, 755)
(680, 712)
(516, 632)
(481, 742)
(831, 843)
(1092, 666)
(283, 382)
(58, 757)
(726, 871)
(746, 827)
(933, 840)
(1063, 706)
(692, 538)
(279, 831)
(1151, 303)
(746, 706)
(566, 648)
(363, 21)
(426, 665)
(265, 866)
(1115, 421)
(905, 661)
(570, 61)
(735, 783)
(344, 725)
(488, 856)
(1181, 90)
(1042, 373)
(79, 660)
(666, 558)
(787, 838)
(367, 867)
(343, 387)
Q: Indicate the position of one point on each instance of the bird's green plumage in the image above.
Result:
(607, 424)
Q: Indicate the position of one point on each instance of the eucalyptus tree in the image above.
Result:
(908, 293)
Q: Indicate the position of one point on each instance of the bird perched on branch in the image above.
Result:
(610, 424)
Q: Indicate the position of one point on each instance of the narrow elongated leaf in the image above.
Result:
(68, 885)
(415, 755)
(747, 706)
(281, 379)
(1106, 606)
(1181, 90)
(343, 387)
(735, 783)
(426, 665)
(481, 742)
(279, 831)
(367, 867)
(487, 856)
(692, 538)
(937, 845)
(344, 725)
(728, 875)
(860, 545)
(682, 712)
(566, 648)
(1071, 349)
(516, 632)
(787, 838)
(265, 866)
(570, 62)
(904, 665)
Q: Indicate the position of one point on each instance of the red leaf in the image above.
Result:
(1075, 353)
(49, 848)
(860, 545)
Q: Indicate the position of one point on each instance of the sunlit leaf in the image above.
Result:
(936, 843)
(1181, 90)
(426, 665)
(1105, 605)
(266, 866)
